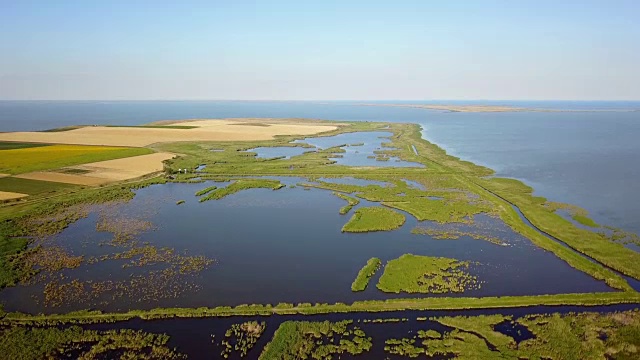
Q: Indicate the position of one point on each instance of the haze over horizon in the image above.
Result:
(330, 50)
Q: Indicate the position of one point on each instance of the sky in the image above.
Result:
(320, 50)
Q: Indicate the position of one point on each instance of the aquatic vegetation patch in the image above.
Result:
(139, 288)
(475, 231)
(124, 229)
(241, 338)
(317, 340)
(206, 190)
(74, 342)
(425, 274)
(51, 259)
(243, 184)
(365, 274)
(622, 236)
(577, 213)
(374, 218)
(351, 202)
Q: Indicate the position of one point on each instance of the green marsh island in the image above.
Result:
(295, 239)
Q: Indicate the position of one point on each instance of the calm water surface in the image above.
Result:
(587, 159)
(287, 246)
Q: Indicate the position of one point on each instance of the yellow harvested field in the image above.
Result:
(3, 175)
(4, 195)
(206, 130)
(63, 178)
(104, 172)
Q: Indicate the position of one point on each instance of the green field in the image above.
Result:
(32, 187)
(8, 145)
(24, 160)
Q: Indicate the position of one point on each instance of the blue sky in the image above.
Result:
(320, 50)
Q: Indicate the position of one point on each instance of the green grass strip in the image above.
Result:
(428, 303)
(365, 274)
(374, 219)
(351, 202)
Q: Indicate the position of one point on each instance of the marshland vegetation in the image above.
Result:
(374, 219)
(317, 340)
(241, 338)
(239, 185)
(365, 274)
(425, 274)
(553, 336)
(350, 200)
(52, 342)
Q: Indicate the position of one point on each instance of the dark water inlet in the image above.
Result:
(192, 336)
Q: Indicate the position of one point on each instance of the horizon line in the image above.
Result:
(326, 100)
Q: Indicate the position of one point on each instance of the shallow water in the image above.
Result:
(359, 149)
(285, 152)
(287, 246)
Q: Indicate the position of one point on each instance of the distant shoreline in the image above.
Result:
(491, 108)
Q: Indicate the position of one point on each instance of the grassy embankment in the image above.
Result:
(304, 339)
(425, 274)
(431, 303)
(365, 274)
(350, 200)
(555, 336)
(374, 219)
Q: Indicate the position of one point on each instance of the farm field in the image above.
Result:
(371, 222)
(29, 159)
(201, 130)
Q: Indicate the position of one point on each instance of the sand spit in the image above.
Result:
(492, 108)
